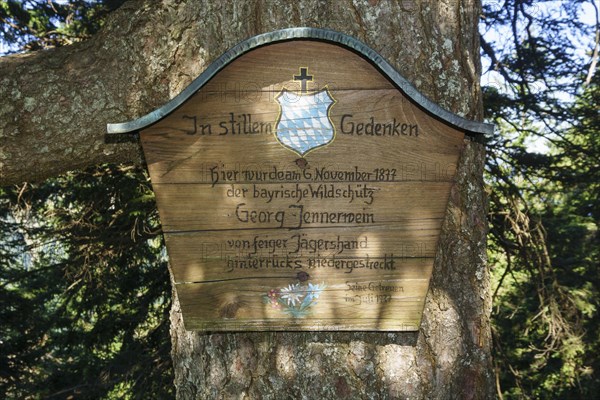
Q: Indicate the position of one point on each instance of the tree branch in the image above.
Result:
(56, 104)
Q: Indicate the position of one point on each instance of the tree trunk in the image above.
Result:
(53, 115)
(449, 358)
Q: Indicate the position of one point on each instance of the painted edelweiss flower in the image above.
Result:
(315, 290)
(291, 294)
(297, 299)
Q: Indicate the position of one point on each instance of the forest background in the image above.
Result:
(84, 285)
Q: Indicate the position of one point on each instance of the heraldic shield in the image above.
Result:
(304, 122)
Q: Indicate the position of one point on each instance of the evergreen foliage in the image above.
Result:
(40, 24)
(544, 241)
(84, 288)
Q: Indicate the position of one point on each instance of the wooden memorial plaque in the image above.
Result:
(301, 184)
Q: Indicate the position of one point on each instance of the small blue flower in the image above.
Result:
(315, 290)
(313, 293)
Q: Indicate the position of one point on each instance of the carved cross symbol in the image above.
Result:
(303, 77)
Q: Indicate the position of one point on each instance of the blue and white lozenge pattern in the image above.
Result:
(304, 123)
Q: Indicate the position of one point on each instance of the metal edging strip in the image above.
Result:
(472, 127)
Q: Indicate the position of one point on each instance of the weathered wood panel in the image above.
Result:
(174, 154)
(373, 300)
(300, 189)
(203, 207)
(218, 255)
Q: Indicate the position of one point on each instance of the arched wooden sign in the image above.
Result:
(301, 183)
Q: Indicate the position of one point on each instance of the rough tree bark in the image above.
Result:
(53, 113)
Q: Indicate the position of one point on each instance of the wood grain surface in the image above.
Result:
(301, 190)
